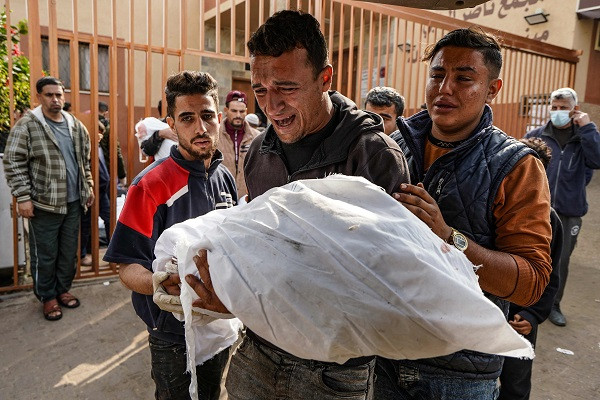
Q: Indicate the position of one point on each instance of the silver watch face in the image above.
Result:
(459, 240)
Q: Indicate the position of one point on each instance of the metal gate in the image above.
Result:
(123, 52)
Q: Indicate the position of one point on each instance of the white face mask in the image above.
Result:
(560, 118)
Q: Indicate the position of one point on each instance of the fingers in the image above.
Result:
(198, 287)
(171, 284)
(201, 261)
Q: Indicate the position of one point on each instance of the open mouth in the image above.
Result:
(282, 123)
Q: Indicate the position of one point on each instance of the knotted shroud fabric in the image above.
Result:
(335, 268)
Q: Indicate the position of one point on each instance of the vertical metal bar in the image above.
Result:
(501, 122)
(516, 86)
(53, 39)
(370, 53)
(34, 45)
(539, 84)
(148, 80)
(183, 42)
(246, 26)
(522, 125)
(350, 54)
(419, 67)
(114, 117)
(395, 55)
(218, 27)
(512, 93)
(9, 59)
(74, 48)
(232, 24)
(379, 55)
(339, 73)
(528, 95)
(11, 109)
(261, 12)
(15, 226)
(573, 70)
(201, 25)
(405, 49)
(318, 12)
(409, 98)
(387, 52)
(94, 136)
(331, 28)
(359, 60)
(131, 141)
(562, 72)
(165, 40)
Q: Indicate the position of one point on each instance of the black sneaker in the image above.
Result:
(557, 317)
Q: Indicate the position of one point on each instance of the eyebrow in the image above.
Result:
(187, 113)
(465, 68)
(277, 83)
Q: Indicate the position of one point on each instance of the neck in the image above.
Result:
(56, 117)
(325, 116)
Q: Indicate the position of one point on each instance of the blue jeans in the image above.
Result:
(398, 382)
(170, 376)
(259, 372)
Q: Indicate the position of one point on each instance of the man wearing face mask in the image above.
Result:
(575, 144)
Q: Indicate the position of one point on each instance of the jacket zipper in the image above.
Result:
(439, 187)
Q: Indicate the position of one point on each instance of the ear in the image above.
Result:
(576, 107)
(219, 116)
(171, 123)
(493, 88)
(326, 77)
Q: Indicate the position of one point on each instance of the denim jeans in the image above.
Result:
(173, 382)
(398, 382)
(53, 250)
(259, 372)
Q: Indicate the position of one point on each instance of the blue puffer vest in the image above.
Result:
(464, 182)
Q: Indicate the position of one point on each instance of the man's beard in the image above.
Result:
(197, 154)
(238, 121)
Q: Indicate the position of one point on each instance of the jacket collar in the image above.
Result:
(39, 115)
(549, 131)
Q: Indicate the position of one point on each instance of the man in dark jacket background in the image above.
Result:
(476, 187)
(575, 144)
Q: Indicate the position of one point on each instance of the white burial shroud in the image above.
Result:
(335, 268)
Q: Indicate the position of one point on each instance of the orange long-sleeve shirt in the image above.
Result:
(521, 210)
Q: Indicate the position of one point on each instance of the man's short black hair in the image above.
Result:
(472, 38)
(188, 83)
(383, 96)
(159, 107)
(47, 80)
(287, 30)
(67, 106)
(102, 106)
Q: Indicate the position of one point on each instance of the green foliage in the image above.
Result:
(20, 70)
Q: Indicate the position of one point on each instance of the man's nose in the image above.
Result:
(274, 102)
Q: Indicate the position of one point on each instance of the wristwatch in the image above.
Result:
(458, 240)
